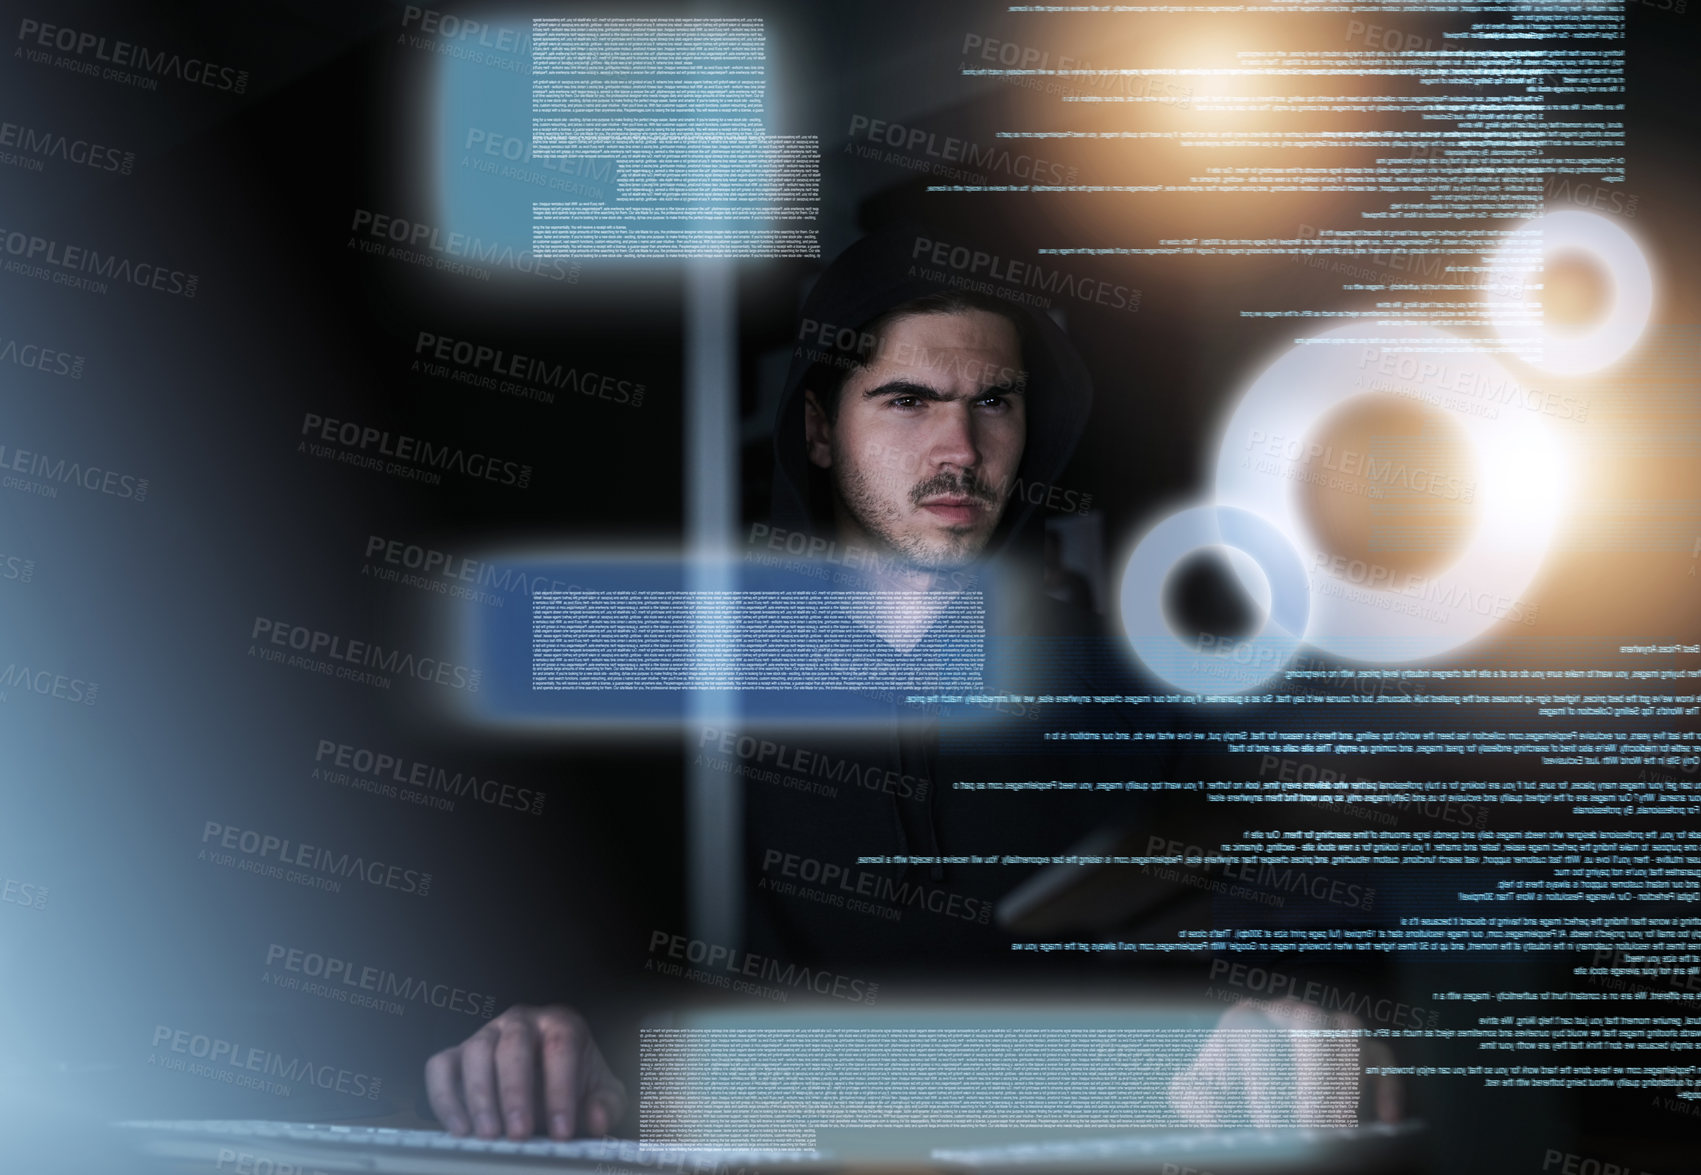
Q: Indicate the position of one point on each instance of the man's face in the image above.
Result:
(928, 437)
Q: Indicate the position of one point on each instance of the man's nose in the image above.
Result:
(954, 439)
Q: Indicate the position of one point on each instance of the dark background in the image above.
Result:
(154, 600)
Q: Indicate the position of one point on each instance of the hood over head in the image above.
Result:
(874, 275)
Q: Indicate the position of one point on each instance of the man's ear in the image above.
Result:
(817, 432)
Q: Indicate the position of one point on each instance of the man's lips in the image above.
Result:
(954, 509)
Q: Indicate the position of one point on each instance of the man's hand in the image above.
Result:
(1315, 1081)
(528, 1068)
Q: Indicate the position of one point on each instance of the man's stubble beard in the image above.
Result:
(881, 520)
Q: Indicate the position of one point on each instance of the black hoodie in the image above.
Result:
(821, 801)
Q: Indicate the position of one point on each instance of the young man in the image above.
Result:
(916, 418)
(913, 411)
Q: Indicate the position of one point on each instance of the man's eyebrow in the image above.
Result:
(904, 387)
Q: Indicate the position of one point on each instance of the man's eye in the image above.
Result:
(905, 401)
(994, 401)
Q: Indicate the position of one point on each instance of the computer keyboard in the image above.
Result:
(303, 1148)
(378, 1148)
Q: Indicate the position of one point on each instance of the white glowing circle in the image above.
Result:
(1263, 560)
(1250, 575)
(1572, 352)
(1518, 488)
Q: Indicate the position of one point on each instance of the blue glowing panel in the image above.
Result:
(600, 642)
(488, 177)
